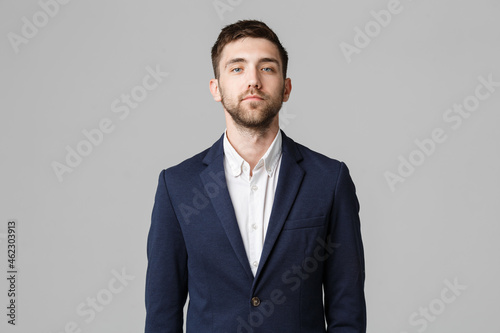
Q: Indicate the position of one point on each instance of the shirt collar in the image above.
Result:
(269, 160)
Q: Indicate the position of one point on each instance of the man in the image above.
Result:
(262, 232)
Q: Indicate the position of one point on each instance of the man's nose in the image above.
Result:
(254, 79)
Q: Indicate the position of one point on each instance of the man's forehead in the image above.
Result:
(249, 46)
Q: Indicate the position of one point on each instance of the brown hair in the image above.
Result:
(242, 29)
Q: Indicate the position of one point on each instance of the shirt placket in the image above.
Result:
(254, 226)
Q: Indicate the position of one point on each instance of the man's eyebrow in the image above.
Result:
(243, 60)
(273, 60)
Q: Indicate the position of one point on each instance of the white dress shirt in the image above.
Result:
(252, 196)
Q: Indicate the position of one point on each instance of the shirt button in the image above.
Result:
(254, 226)
(255, 264)
(254, 187)
(255, 301)
(245, 168)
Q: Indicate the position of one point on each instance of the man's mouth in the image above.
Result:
(253, 98)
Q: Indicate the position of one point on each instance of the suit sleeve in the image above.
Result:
(344, 274)
(166, 276)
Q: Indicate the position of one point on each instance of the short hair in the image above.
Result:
(243, 29)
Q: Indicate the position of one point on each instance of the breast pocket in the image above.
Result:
(309, 222)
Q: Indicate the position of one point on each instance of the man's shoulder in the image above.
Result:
(322, 168)
(313, 158)
(196, 163)
(190, 164)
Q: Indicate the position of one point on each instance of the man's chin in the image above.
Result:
(255, 122)
(252, 105)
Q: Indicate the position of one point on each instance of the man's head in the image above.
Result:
(243, 29)
(250, 68)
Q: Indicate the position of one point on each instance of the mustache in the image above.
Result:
(252, 93)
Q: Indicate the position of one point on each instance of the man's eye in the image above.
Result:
(236, 70)
(267, 69)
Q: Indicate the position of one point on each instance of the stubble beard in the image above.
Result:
(253, 115)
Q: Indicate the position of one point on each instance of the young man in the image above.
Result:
(262, 232)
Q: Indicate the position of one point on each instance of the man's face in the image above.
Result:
(251, 86)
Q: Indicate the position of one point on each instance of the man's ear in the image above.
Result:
(214, 89)
(288, 89)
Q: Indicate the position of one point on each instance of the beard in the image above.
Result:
(255, 115)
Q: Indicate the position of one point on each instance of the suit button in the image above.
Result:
(255, 301)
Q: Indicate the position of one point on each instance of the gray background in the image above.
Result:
(439, 225)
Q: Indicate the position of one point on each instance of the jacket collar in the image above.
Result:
(288, 147)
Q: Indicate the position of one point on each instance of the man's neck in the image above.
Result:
(251, 144)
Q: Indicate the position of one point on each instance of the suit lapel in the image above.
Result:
(214, 173)
(289, 180)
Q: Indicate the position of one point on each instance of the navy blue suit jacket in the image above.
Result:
(312, 249)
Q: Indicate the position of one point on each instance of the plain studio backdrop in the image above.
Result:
(97, 97)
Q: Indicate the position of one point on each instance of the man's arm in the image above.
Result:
(166, 277)
(344, 274)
